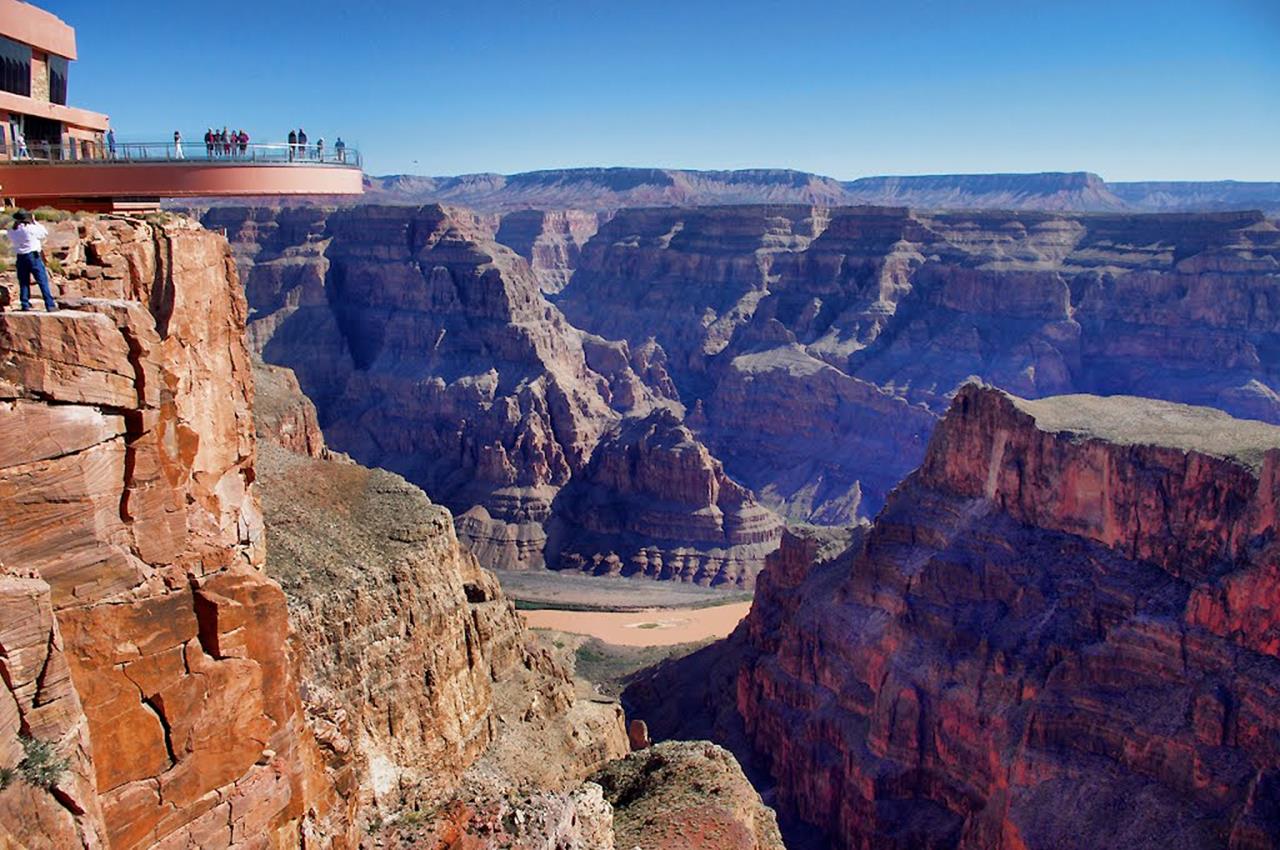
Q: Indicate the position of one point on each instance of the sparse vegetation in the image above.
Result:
(608, 666)
(50, 214)
(41, 765)
(6, 777)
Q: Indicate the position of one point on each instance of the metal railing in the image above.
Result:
(82, 151)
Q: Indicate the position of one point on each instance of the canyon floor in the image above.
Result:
(646, 627)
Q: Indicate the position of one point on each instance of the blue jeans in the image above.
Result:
(27, 264)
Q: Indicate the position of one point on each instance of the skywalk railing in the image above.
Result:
(220, 153)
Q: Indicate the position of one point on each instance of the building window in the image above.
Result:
(57, 79)
(15, 67)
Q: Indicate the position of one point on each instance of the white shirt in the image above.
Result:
(27, 238)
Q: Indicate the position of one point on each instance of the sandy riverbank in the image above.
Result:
(654, 627)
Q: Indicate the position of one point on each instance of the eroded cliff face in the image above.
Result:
(811, 350)
(550, 240)
(139, 638)
(447, 365)
(654, 501)
(417, 665)
(158, 689)
(816, 348)
(1063, 624)
(435, 704)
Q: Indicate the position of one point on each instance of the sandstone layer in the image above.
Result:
(550, 240)
(815, 348)
(429, 349)
(654, 501)
(1063, 624)
(142, 644)
(809, 350)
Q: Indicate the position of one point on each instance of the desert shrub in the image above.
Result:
(54, 265)
(41, 766)
(6, 777)
(50, 214)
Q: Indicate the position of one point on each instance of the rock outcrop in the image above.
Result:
(1063, 624)
(686, 796)
(283, 415)
(150, 688)
(417, 663)
(653, 501)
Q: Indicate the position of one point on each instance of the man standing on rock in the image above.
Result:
(28, 238)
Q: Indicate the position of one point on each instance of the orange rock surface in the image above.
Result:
(163, 673)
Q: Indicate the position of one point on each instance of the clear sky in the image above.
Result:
(1131, 89)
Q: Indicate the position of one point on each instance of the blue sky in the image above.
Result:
(1179, 89)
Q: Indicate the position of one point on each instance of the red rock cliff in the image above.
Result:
(138, 634)
(1063, 624)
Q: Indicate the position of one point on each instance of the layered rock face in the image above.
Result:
(446, 364)
(413, 651)
(815, 348)
(654, 501)
(1063, 624)
(431, 699)
(811, 350)
(146, 658)
(550, 240)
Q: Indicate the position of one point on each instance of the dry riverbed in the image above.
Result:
(650, 627)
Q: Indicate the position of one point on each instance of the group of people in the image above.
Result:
(235, 143)
(220, 143)
(299, 149)
(217, 143)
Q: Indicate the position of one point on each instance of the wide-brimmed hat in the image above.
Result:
(21, 216)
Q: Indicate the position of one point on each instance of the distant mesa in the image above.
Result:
(607, 189)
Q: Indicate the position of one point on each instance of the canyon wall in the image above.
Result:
(809, 351)
(414, 652)
(816, 348)
(429, 349)
(159, 690)
(146, 658)
(550, 240)
(1061, 627)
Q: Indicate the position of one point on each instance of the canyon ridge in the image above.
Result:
(657, 391)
